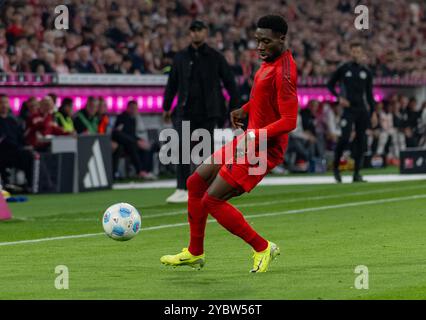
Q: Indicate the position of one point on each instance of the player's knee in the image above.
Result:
(209, 202)
(196, 185)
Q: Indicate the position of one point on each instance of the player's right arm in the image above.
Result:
(238, 115)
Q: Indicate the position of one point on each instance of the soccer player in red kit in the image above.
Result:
(273, 108)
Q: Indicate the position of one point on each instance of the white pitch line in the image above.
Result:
(269, 214)
(87, 235)
(282, 180)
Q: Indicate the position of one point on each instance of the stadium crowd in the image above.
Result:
(397, 123)
(32, 131)
(110, 36)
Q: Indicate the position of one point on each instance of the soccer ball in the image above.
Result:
(121, 221)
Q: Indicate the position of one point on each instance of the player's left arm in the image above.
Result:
(286, 91)
(369, 92)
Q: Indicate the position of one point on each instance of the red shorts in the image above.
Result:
(245, 176)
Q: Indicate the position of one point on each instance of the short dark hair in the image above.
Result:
(130, 102)
(274, 22)
(53, 96)
(67, 102)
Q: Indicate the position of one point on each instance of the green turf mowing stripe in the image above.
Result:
(269, 214)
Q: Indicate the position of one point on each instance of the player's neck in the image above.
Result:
(282, 53)
(197, 46)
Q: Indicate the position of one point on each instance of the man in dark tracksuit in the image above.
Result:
(356, 97)
(196, 76)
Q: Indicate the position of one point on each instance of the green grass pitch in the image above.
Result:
(324, 232)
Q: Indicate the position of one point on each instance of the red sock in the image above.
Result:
(233, 220)
(197, 214)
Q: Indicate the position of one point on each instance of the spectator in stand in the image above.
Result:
(12, 149)
(422, 126)
(196, 77)
(111, 61)
(4, 57)
(139, 149)
(29, 108)
(60, 65)
(409, 121)
(413, 118)
(398, 121)
(388, 131)
(54, 98)
(71, 61)
(332, 115)
(314, 128)
(97, 60)
(40, 65)
(127, 66)
(64, 114)
(104, 123)
(318, 38)
(138, 59)
(42, 126)
(301, 147)
(373, 132)
(86, 121)
(84, 64)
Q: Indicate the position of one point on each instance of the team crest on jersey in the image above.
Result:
(363, 75)
(348, 74)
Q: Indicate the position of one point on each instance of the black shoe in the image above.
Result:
(337, 176)
(358, 178)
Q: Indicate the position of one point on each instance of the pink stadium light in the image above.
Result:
(150, 100)
(120, 103)
(140, 103)
(78, 103)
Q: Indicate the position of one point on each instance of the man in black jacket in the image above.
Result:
(356, 97)
(196, 76)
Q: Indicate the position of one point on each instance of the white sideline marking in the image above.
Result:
(274, 181)
(247, 205)
(269, 214)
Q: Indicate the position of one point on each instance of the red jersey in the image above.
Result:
(273, 103)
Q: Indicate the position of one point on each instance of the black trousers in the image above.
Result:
(183, 171)
(142, 160)
(17, 158)
(358, 117)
